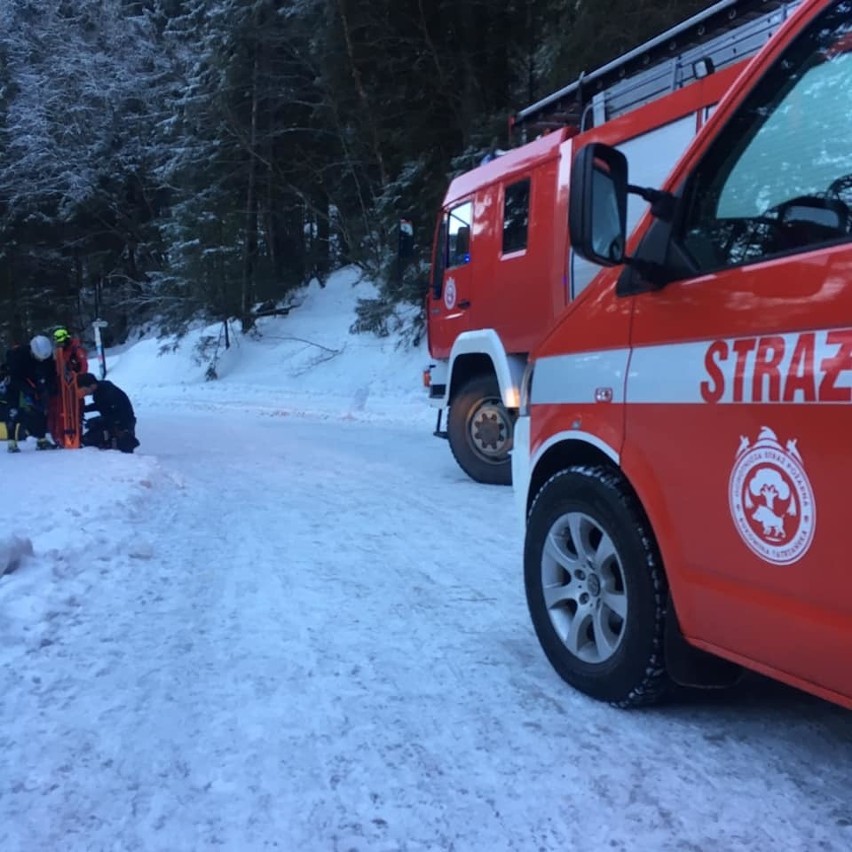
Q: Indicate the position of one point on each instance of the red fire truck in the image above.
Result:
(682, 453)
(503, 267)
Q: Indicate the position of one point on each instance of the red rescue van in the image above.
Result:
(683, 453)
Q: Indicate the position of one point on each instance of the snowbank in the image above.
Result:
(306, 363)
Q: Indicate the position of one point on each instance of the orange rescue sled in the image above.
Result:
(64, 415)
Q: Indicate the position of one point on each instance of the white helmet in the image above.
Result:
(41, 348)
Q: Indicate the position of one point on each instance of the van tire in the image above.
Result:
(480, 429)
(595, 587)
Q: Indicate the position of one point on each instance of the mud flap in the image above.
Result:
(692, 667)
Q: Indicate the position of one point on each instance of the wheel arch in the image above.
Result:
(482, 352)
(568, 452)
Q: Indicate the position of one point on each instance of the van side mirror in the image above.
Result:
(597, 211)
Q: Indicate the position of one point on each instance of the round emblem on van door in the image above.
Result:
(450, 294)
(771, 499)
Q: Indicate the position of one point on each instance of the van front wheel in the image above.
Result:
(595, 586)
(480, 430)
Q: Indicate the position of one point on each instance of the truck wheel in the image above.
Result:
(595, 587)
(480, 430)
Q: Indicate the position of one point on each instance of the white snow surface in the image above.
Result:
(289, 621)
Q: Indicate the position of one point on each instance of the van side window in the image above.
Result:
(778, 179)
(516, 216)
(459, 220)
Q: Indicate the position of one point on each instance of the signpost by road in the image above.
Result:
(98, 324)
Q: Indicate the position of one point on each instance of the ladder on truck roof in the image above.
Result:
(721, 35)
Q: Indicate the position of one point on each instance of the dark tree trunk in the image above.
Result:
(250, 247)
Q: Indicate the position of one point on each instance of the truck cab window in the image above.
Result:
(459, 221)
(516, 216)
(778, 179)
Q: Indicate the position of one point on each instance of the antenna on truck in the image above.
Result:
(722, 35)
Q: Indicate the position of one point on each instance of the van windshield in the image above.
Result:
(801, 147)
(778, 178)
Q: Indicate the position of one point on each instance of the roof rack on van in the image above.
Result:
(725, 33)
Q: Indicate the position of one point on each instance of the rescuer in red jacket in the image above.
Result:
(71, 360)
(70, 351)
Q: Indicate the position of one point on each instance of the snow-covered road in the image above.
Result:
(274, 632)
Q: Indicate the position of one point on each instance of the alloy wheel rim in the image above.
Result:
(584, 587)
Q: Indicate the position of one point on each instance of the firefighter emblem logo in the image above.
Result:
(450, 294)
(771, 499)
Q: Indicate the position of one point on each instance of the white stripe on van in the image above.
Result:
(794, 368)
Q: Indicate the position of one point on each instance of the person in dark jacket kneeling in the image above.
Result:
(115, 428)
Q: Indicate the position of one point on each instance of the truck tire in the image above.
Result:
(480, 429)
(595, 587)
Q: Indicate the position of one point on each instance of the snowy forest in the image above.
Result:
(165, 160)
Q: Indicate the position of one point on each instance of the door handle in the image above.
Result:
(464, 303)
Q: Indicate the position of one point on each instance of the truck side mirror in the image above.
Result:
(597, 211)
(439, 263)
(437, 280)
